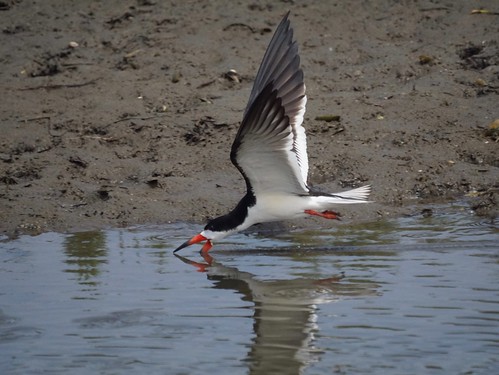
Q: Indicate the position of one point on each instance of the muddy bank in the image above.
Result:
(119, 113)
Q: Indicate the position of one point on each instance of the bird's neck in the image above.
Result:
(231, 221)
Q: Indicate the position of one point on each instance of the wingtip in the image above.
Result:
(285, 25)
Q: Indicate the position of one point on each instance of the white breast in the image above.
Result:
(275, 207)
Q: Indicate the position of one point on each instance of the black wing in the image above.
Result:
(270, 147)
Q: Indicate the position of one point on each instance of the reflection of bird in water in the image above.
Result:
(270, 150)
(284, 318)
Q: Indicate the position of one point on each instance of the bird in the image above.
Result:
(270, 150)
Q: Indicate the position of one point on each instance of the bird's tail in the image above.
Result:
(358, 195)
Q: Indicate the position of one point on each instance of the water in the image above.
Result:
(409, 296)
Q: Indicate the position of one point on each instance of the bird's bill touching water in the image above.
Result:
(196, 239)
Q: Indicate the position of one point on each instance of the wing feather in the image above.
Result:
(270, 146)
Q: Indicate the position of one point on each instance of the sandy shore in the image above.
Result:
(120, 113)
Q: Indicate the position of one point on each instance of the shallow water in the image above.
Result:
(407, 296)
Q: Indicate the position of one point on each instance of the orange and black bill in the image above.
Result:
(196, 239)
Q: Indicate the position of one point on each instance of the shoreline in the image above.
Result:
(118, 114)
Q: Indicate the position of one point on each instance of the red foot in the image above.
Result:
(324, 214)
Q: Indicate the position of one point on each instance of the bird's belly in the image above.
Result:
(275, 207)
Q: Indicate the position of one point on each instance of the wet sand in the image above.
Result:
(121, 113)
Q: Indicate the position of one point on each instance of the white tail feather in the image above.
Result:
(358, 195)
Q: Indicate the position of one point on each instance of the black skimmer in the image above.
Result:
(270, 150)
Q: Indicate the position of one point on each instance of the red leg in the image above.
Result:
(324, 214)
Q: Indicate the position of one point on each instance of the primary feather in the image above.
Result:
(270, 148)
